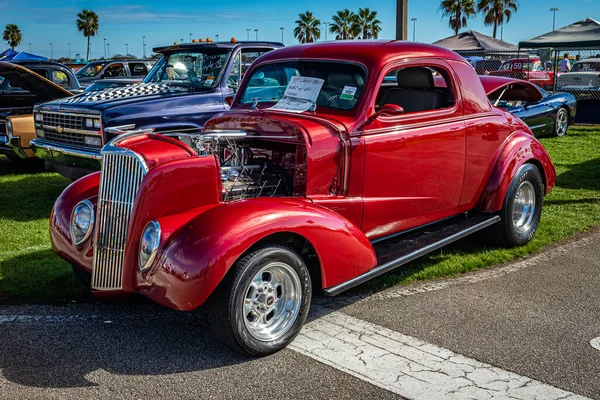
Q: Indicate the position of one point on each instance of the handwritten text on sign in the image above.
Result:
(304, 87)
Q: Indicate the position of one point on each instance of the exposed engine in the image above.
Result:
(250, 165)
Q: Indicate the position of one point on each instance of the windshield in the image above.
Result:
(341, 88)
(91, 69)
(193, 69)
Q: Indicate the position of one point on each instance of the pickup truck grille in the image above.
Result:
(120, 178)
(66, 128)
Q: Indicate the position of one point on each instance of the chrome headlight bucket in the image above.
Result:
(148, 245)
(9, 128)
(82, 222)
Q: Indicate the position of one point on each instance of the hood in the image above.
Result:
(510, 88)
(22, 77)
(126, 94)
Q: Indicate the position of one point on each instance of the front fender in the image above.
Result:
(60, 221)
(196, 257)
(518, 149)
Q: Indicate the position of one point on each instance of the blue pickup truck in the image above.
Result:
(188, 85)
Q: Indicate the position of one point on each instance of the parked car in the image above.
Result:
(102, 84)
(191, 83)
(484, 67)
(546, 114)
(583, 80)
(320, 173)
(113, 69)
(23, 84)
(529, 69)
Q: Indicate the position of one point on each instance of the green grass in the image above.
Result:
(30, 270)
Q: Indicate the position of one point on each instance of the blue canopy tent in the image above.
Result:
(10, 54)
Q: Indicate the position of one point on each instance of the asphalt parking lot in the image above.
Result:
(524, 330)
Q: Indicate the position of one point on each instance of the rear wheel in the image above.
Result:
(522, 207)
(561, 122)
(262, 303)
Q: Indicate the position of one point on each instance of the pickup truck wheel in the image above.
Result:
(522, 207)
(561, 122)
(262, 303)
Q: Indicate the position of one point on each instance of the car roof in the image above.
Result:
(367, 52)
(224, 45)
(37, 63)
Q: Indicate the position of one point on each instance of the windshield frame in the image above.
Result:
(266, 104)
(218, 80)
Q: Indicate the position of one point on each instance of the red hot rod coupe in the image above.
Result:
(322, 173)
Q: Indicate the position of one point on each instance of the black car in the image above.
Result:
(114, 69)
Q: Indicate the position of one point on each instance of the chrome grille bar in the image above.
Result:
(120, 179)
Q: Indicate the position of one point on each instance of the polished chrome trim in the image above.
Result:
(120, 129)
(42, 144)
(69, 130)
(91, 115)
(381, 269)
(148, 265)
(92, 223)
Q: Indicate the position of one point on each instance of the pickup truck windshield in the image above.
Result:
(90, 69)
(192, 69)
(342, 82)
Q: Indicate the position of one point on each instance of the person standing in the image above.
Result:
(565, 64)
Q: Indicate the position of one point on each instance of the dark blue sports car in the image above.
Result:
(546, 114)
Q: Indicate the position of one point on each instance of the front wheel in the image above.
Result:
(522, 208)
(561, 122)
(262, 303)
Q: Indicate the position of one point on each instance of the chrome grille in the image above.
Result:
(120, 179)
(70, 121)
(66, 128)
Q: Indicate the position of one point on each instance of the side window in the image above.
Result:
(114, 70)
(417, 89)
(234, 78)
(138, 69)
(507, 66)
(60, 78)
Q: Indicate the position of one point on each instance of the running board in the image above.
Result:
(401, 249)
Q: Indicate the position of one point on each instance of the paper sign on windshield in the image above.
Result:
(300, 95)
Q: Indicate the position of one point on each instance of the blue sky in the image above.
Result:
(164, 21)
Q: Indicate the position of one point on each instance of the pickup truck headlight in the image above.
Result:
(39, 117)
(148, 245)
(82, 222)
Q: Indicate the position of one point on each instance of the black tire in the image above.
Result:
(561, 122)
(509, 231)
(225, 307)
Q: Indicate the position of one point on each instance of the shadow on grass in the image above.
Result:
(29, 197)
(19, 166)
(585, 175)
(38, 275)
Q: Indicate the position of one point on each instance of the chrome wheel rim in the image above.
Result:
(524, 207)
(272, 301)
(561, 123)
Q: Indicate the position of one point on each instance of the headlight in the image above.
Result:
(148, 245)
(9, 128)
(93, 141)
(89, 123)
(97, 123)
(82, 222)
(39, 117)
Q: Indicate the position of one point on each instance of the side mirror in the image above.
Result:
(389, 110)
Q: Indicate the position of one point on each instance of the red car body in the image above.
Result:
(358, 177)
(529, 69)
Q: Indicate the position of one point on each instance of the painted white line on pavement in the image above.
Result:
(595, 343)
(409, 366)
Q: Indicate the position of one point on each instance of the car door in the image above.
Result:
(414, 161)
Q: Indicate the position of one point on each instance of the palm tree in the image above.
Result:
(344, 25)
(307, 28)
(458, 11)
(495, 12)
(367, 24)
(87, 22)
(12, 34)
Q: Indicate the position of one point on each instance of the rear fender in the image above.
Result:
(518, 149)
(196, 257)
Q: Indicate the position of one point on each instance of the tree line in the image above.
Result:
(346, 25)
(495, 12)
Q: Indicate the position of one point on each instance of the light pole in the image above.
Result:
(281, 34)
(30, 47)
(144, 46)
(248, 33)
(217, 36)
(108, 49)
(414, 21)
(326, 29)
(51, 52)
(105, 48)
(502, 29)
(181, 40)
(126, 49)
(190, 37)
(69, 46)
(554, 10)
(256, 30)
